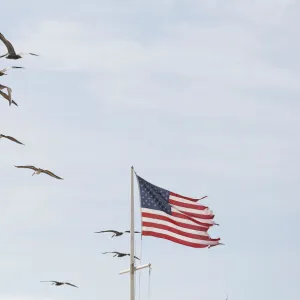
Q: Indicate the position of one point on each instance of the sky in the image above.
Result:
(201, 97)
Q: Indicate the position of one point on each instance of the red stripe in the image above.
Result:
(187, 205)
(187, 217)
(175, 240)
(174, 230)
(166, 218)
(183, 197)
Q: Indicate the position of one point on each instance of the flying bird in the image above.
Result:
(119, 254)
(39, 171)
(116, 233)
(5, 96)
(11, 51)
(10, 138)
(58, 283)
(2, 87)
(3, 71)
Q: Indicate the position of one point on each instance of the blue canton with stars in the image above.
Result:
(154, 197)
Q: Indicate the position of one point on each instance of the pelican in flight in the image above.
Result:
(119, 254)
(2, 87)
(3, 71)
(115, 232)
(10, 138)
(11, 51)
(39, 171)
(58, 283)
(5, 96)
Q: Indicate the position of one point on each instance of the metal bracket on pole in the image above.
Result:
(136, 268)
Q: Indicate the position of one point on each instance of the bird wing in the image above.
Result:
(8, 68)
(136, 257)
(134, 231)
(4, 70)
(23, 53)
(3, 94)
(11, 138)
(111, 252)
(27, 167)
(8, 44)
(50, 281)
(70, 284)
(50, 174)
(9, 90)
(114, 231)
(6, 96)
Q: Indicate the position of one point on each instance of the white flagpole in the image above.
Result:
(132, 296)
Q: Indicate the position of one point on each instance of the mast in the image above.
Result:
(132, 268)
(132, 295)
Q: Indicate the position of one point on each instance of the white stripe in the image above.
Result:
(179, 237)
(162, 222)
(176, 219)
(179, 199)
(205, 212)
(195, 218)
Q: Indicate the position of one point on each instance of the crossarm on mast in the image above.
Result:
(136, 268)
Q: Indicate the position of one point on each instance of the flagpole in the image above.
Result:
(132, 296)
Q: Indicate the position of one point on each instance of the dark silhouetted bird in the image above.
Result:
(119, 254)
(58, 283)
(116, 233)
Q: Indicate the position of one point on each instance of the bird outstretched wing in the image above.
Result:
(13, 102)
(114, 231)
(9, 90)
(8, 68)
(8, 44)
(27, 167)
(50, 281)
(51, 174)
(4, 95)
(134, 231)
(136, 257)
(7, 98)
(71, 284)
(11, 138)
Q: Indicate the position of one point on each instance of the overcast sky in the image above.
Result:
(201, 97)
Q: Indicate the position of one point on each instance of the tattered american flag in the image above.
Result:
(174, 217)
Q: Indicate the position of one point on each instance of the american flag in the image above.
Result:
(174, 217)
